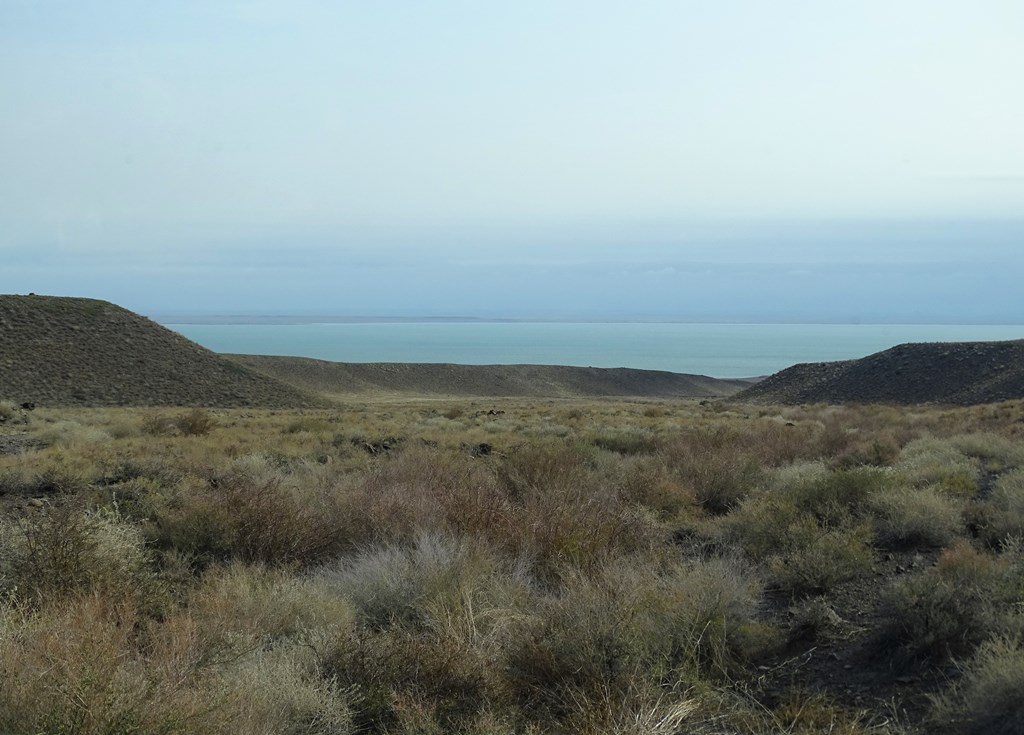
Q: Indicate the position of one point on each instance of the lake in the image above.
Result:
(719, 350)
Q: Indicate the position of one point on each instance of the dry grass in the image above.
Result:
(608, 566)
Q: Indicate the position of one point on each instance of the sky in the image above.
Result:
(796, 160)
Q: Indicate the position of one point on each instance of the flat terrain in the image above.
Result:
(526, 381)
(962, 373)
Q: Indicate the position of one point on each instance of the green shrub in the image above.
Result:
(1001, 515)
(916, 517)
(998, 453)
(837, 498)
(939, 463)
(968, 597)
(8, 411)
(802, 552)
(815, 560)
(987, 700)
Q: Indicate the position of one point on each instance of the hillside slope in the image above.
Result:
(540, 381)
(71, 351)
(961, 373)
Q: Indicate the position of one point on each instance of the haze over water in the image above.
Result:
(582, 159)
(718, 350)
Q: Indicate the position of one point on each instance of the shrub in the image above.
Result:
(838, 497)
(196, 422)
(815, 560)
(1001, 514)
(915, 516)
(998, 453)
(938, 462)
(74, 667)
(8, 411)
(987, 700)
(61, 551)
(965, 599)
(719, 479)
(392, 585)
(255, 605)
(636, 441)
(626, 627)
(649, 484)
(800, 555)
(253, 513)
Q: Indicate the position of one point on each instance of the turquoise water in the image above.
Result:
(721, 350)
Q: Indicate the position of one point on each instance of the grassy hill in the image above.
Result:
(529, 381)
(71, 351)
(963, 373)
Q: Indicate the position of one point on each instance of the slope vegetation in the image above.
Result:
(535, 381)
(71, 351)
(963, 373)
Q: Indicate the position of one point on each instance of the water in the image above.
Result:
(720, 350)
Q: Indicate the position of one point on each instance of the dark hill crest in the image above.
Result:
(57, 350)
(962, 373)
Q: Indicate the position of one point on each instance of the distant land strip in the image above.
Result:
(445, 379)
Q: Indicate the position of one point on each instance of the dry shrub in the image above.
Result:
(998, 453)
(424, 489)
(939, 463)
(431, 616)
(72, 434)
(987, 700)
(840, 497)
(74, 668)
(248, 605)
(720, 476)
(563, 510)
(403, 681)
(626, 628)
(627, 441)
(281, 690)
(968, 597)
(816, 560)
(802, 554)
(197, 422)
(647, 482)
(401, 585)
(8, 411)
(909, 516)
(807, 525)
(255, 513)
(62, 551)
(1000, 516)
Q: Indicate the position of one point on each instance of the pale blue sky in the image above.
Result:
(730, 159)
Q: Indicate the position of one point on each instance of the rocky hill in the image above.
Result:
(540, 381)
(71, 351)
(961, 373)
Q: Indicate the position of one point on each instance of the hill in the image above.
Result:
(72, 351)
(532, 381)
(961, 373)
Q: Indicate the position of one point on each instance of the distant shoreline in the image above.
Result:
(171, 320)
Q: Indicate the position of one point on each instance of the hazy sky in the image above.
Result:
(854, 160)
